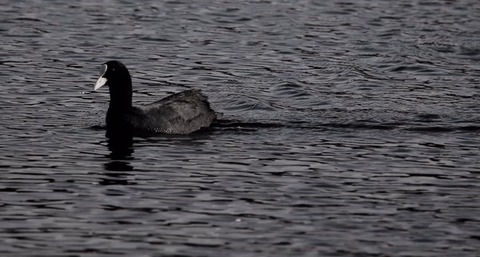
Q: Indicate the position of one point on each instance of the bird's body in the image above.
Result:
(181, 113)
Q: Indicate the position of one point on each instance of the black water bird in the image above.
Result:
(181, 113)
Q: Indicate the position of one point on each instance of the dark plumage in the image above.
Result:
(181, 113)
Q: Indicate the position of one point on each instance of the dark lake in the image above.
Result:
(349, 128)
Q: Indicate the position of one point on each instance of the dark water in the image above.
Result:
(356, 129)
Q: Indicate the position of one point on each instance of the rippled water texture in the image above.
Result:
(349, 128)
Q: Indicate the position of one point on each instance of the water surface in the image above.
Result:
(351, 128)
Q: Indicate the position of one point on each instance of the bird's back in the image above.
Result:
(181, 113)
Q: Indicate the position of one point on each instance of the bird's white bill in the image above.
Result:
(101, 81)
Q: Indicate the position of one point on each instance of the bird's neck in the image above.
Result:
(121, 95)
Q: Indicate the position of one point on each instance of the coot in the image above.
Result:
(181, 113)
